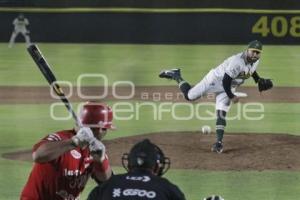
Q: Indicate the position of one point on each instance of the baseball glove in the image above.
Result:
(264, 84)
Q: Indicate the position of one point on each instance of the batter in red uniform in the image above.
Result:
(65, 160)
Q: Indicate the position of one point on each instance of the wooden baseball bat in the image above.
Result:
(45, 68)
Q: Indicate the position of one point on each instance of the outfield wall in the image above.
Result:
(156, 26)
(253, 4)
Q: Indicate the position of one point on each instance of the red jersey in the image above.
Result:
(60, 179)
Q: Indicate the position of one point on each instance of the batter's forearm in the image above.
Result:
(103, 176)
(51, 150)
(227, 85)
(102, 170)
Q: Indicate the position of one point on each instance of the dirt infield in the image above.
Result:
(187, 150)
(41, 94)
(191, 150)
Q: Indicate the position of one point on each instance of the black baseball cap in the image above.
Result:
(255, 45)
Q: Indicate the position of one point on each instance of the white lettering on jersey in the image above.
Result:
(117, 192)
(140, 193)
(139, 178)
(71, 172)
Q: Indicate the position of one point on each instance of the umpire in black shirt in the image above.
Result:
(145, 164)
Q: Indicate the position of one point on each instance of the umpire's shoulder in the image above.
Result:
(168, 183)
(173, 189)
(98, 191)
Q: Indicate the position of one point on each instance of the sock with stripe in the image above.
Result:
(184, 88)
(220, 124)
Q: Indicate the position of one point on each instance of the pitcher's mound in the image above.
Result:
(191, 150)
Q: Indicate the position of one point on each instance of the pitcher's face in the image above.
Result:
(252, 55)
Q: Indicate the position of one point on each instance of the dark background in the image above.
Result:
(147, 27)
(256, 4)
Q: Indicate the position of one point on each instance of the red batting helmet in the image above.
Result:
(96, 115)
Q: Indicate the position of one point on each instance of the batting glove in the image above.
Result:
(97, 148)
(83, 136)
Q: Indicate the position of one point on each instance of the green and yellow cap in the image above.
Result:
(255, 45)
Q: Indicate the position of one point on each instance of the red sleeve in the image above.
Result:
(58, 136)
(101, 167)
(49, 138)
(53, 137)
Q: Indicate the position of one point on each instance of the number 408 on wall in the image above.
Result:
(278, 26)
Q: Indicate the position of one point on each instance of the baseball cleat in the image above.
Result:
(217, 147)
(172, 74)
